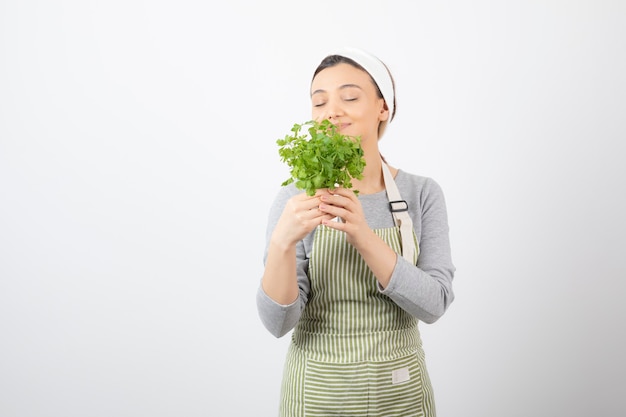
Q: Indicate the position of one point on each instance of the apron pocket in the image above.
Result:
(336, 389)
(385, 388)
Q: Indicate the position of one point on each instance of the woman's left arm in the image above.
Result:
(425, 290)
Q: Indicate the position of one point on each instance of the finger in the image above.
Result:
(344, 192)
(337, 225)
(336, 200)
(306, 202)
(320, 218)
(323, 191)
(334, 210)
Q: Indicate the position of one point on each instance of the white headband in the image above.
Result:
(376, 69)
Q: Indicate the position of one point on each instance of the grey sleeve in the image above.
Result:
(279, 319)
(425, 290)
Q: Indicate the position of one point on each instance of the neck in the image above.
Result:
(372, 181)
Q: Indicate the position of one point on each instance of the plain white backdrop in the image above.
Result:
(138, 162)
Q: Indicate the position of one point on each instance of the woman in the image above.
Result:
(354, 290)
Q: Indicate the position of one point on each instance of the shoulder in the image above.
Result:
(421, 192)
(416, 183)
(287, 191)
(283, 195)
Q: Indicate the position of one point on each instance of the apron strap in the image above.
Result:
(400, 211)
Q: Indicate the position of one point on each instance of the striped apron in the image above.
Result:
(354, 352)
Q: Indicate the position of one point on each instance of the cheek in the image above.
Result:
(316, 113)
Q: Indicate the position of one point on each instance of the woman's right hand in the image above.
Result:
(299, 217)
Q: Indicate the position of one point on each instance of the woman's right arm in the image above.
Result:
(284, 286)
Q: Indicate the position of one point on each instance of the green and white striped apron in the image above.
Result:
(354, 352)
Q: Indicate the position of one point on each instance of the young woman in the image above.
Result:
(353, 291)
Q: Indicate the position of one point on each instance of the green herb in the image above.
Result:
(321, 157)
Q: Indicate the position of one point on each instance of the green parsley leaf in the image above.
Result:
(321, 157)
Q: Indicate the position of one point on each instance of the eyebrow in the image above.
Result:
(341, 88)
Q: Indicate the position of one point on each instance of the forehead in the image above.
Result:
(339, 75)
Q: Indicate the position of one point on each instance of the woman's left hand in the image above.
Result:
(343, 203)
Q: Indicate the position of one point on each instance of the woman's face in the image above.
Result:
(348, 98)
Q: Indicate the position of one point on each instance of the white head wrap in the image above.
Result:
(376, 69)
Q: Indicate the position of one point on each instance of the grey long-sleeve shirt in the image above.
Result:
(423, 290)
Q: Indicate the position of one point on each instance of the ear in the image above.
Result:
(384, 112)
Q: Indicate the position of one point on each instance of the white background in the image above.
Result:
(138, 162)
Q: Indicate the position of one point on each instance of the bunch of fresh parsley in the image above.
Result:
(321, 157)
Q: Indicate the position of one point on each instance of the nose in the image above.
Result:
(333, 110)
(330, 110)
